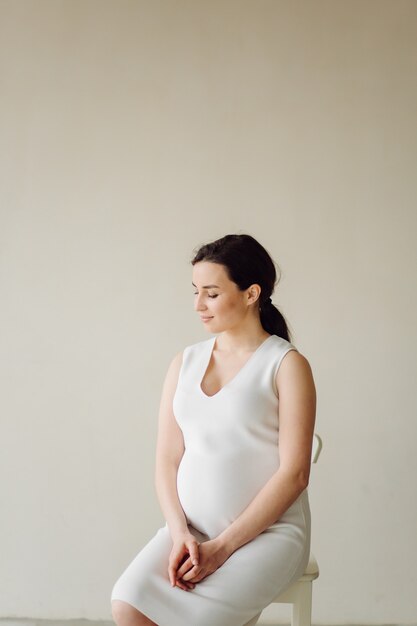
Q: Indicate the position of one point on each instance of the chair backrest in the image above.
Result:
(317, 446)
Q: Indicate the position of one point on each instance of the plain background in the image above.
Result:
(131, 133)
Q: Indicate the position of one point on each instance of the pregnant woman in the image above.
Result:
(235, 432)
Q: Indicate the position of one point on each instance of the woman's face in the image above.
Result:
(218, 300)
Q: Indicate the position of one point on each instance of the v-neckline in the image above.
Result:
(237, 373)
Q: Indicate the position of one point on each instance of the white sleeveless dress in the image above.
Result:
(231, 451)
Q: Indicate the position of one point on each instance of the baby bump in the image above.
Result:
(214, 489)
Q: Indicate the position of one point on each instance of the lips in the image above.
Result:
(205, 318)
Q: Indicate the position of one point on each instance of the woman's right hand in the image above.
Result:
(184, 545)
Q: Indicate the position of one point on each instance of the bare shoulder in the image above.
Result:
(176, 364)
(294, 371)
(293, 360)
(169, 386)
(176, 361)
(174, 368)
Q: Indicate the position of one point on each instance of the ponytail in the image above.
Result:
(273, 321)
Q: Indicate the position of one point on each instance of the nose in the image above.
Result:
(199, 303)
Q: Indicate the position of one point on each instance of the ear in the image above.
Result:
(253, 292)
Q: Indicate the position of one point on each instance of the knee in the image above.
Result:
(126, 615)
(121, 612)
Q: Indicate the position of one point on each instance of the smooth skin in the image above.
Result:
(234, 317)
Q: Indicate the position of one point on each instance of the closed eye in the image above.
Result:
(210, 296)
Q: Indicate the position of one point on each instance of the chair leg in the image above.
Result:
(301, 610)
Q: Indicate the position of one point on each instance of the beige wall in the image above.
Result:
(133, 131)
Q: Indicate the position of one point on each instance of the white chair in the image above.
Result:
(299, 594)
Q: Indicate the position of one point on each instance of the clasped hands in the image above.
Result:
(190, 561)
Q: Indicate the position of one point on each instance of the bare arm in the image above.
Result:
(169, 451)
(297, 409)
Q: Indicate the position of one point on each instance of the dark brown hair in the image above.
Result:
(247, 262)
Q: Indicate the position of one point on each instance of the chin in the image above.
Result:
(210, 327)
(214, 328)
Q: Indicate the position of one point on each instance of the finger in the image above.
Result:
(186, 586)
(192, 574)
(171, 577)
(185, 567)
(172, 573)
(175, 575)
(181, 585)
(194, 552)
(177, 559)
(200, 576)
(173, 564)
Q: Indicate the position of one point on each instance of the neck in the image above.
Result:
(241, 339)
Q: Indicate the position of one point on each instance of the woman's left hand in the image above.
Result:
(212, 556)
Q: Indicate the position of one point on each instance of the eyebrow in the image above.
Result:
(206, 286)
